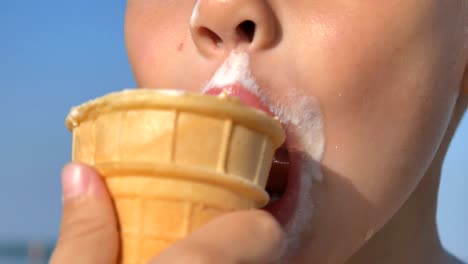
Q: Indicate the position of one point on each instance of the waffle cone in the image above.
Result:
(173, 161)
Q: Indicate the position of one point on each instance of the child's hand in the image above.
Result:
(239, 237)
(89, 232)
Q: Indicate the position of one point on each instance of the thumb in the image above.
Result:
(89, 232)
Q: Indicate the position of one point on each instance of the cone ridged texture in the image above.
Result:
(171, 163)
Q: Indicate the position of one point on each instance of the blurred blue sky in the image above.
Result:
(55, 54)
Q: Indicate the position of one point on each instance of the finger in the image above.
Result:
(89, 232)
(240, 237)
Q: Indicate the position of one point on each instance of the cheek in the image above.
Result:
(150, 66)
(148, 55)
(388, 106)
(387, 101)
(377, 81)
(155, 38)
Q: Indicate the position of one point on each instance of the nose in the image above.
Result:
(222, 25)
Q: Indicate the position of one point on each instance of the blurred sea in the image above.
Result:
(34, 252)
(13, 261)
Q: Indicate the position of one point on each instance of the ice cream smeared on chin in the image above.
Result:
(296, 163)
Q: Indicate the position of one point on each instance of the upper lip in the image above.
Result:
(243, 93)
(266, 107)
(235, 72)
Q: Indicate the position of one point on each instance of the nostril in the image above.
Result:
(246, 30)
(211, 36)
(218, 39)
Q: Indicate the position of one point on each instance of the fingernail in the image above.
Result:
(75, 181)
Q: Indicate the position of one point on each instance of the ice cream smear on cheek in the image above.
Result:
(303, 114)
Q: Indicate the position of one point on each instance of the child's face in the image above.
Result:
(382, 78)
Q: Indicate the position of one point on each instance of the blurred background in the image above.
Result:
(55, 54)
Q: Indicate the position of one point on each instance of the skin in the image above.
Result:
(392, 80)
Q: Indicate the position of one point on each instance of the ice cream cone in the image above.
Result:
(172, 161)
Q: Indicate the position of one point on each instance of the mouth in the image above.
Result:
(283, 180)
(245, 96)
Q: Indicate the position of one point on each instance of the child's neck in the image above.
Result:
(411, 236)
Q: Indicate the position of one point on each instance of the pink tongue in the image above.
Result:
(243, 94)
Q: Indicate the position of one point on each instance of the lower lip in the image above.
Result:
(284, 208)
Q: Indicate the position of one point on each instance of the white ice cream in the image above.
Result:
(195, 14)
(235, 69)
